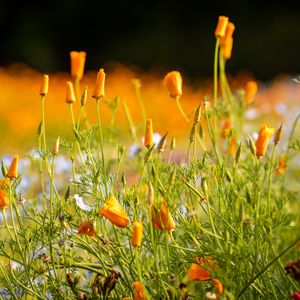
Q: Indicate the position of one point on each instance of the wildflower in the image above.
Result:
(221, 26)
(138, 291)
(173, 83)
(70, 96)
(99, 87)
(4, 200)
(81, 204)
(251, 88)
(114, 212)
(282, 165)
(219, 286)
(77, 64)
(162, 219)
(148, 142)
(137, 234)
(227, 48)
(44, 86)
(226, 41)
(200, 271)
(13, 169)
(232, 145)
(86, 227)
(263, 139)
(226, 128)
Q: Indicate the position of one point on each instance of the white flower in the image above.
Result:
(81, 204)
(38, 253)
(133, 150)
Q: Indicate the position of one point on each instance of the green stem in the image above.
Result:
(267, 267)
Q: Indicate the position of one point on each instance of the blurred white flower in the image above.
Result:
(133, 150)
(251, 114)
(81, 204)
(38, 253)
(62, 164)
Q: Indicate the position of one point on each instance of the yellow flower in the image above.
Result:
(173, 83)
(148, 142)
(263, 139)
(77, 64)
(44, 86)
(137, 233)
(70, 96)
(221, 26)
(114, 212)
(99, 87)
(13, 169)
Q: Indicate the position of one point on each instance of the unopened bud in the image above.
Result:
(252, 146)
(192, 133)
(150, 194)
(44, 86)
(84, 96)
(278, 134)
(173, 143)
(197, 115)
(162, 143)
(238, 153)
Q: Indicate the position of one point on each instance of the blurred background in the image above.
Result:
(156, 34)
(141, 39)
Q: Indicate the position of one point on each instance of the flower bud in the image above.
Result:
(221, 26)
(173, 83)
(100, 84)
(44, 86)
(137, 233)
(77, 64)
(70, 96)
(148, 142)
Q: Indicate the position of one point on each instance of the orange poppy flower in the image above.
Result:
(200, 271)
(228, 33)
(221, 26)
(219, 286)
(173, 83)
(148, 142)
(86, 227)
(70, 95)
(138, 291)
(282, 166)
(13, 169)
(263, 139)
(226, 128)
(44, 86)
(4, 200)
(162, 219)
(114, 212)
(137, 233)
(99, 87)
(251, 88)
(77, 64)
